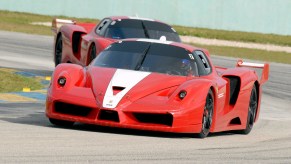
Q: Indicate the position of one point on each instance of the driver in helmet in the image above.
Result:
(182, 67)
(185, 67)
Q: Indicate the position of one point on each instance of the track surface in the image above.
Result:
(27, 136)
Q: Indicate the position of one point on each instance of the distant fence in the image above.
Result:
(264, 16)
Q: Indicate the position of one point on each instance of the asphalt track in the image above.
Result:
(26, 136)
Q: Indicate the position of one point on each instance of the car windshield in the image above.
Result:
(149, 57)
(133, 28)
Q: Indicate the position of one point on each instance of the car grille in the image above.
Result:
(108, 115)
(161, 119)
(70, 109)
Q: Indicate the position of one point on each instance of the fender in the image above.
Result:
(197, 90)
(101, 44)
(247, 76)
(74, 74)
(68, 30)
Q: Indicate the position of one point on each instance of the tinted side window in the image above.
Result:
(156, 30)
(100, 30)
(125, 55)
(202, 63)
(125, 28)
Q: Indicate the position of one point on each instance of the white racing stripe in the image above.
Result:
(155, 41)
(126, 79)
(138, 18)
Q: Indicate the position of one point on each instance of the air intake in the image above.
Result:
(161, 119)
(108, 115)
(235, 121)
(117, 89)
(70, 109)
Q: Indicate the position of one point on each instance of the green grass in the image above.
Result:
(284, 40)
(11, 82)
(21, 22)
(245, 53)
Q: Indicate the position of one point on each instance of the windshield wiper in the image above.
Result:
(145, 30)
(139, 64)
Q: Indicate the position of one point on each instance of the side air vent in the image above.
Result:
(234, 88)
(235, 121)
(76, 41)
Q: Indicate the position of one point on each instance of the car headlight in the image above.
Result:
(62, 81)
(182, 94)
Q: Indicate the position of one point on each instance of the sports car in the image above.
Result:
(80, 43)
(157, 85)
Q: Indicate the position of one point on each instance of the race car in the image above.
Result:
(80, 43)
(157, 85)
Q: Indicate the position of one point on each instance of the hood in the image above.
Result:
(113, 87)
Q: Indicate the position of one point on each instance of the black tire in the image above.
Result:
(92, 54)
(61, 123)
(207, 115)
(58, 50)
(251, 112)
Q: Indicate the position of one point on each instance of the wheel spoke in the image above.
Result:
(253, 104)
(209, 104)
(207, 115)
(203, 122)
(252, 108)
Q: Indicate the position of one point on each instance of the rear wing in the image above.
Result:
(265, 67)
(57, 23)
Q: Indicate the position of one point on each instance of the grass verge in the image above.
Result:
(284, 40)
(245, 53)
(11, 82)
(21, 22)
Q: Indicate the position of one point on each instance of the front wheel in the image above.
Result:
(62, 123)
(58, 50)
(252, 110)
(207, 115)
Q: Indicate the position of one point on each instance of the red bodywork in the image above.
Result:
(155, 97)
(78, 38)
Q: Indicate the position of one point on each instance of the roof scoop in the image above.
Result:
(163, 38)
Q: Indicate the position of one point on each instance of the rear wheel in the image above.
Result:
(58, 50)
(251, 112)
(92, 53)
(207, 115)
(62, 123)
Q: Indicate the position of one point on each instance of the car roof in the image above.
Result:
(133, 17)
(182, 45)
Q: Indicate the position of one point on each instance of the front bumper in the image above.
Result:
(77, 108)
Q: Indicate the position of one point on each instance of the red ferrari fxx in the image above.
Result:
(157, 85)
(79, 43)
